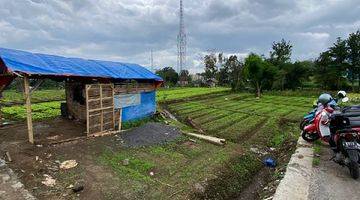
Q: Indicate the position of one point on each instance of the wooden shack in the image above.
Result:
(102, 94)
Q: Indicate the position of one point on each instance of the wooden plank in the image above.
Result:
(113, 93)
(98, 99)
(99, 109)
(102, 111)
(98, 114)
(120, 119)
(28, 109)
(87, 88)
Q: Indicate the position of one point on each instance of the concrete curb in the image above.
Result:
(10, 186)
(295, 184)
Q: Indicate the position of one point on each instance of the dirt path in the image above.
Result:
(331, 181)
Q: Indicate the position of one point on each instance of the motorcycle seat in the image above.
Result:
(350, 109)
(354, 118)
(354, 124)
(349, 114)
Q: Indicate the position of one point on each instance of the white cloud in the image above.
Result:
(315, 36)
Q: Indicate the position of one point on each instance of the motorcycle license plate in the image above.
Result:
(352, 145)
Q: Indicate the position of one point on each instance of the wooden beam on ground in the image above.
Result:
(214, 140)
(28, 109)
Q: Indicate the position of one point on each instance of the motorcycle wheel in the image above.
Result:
(303, 123)
(354, 169)
(309, 137)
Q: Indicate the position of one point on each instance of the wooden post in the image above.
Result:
(87, 88)
(120, 119)
(102, 111)
(28, 109)
(113, 116)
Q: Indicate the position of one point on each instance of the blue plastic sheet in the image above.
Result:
(146, 108)
(42, 64)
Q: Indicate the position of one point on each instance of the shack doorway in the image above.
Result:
(100, 112)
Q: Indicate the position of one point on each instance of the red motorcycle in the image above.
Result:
(319, 128)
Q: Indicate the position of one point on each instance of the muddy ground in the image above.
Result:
(100, 181)
(33, 163)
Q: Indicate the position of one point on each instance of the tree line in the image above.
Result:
(336, 68)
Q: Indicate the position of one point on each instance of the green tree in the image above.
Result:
(235, 73)
(259, 72)
(281, 52)
(224, 73)
(296, 74)
(185, 75)
(169, 75)
(210, 62)
(353, 44)
(325, 71)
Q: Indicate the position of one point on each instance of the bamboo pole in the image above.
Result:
(87, 88)
(28, 109)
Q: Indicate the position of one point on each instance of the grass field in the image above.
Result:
(46, 103)
(244, 121)
(163, 95)
(40, 111)
(184, 169)
(14, 97)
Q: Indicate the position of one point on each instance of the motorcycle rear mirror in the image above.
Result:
(345, 99)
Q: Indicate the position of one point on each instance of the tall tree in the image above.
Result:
(324, 71)
(210, 66)
(353, 43)
(259, 72)
(281, 52)
(185, 75)
(224, 73)
(169, 75)
(235, 73)
(338, 66)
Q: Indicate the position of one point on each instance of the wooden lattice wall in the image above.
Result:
(100, 108)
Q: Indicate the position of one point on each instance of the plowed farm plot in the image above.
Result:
(185, 168)
(248, 123)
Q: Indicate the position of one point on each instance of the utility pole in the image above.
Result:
(151, 60)
(181, 41)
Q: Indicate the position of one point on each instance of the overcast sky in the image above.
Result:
(126, 30)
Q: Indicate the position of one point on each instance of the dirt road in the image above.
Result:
(331, 181)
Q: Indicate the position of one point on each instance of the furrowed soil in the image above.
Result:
(183, 168)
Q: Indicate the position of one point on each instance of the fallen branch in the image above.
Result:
(168, 114)
(214, 140)
(194, 125)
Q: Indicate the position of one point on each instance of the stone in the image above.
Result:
(5, 177)
(68, 164)
(125, 162)
(199, 188)
(17, 185)
(49, 181)
(2, 163)
(78, 187)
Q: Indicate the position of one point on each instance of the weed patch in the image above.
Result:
(137, 169)
(234, 176)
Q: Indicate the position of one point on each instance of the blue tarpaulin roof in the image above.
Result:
(50, 65)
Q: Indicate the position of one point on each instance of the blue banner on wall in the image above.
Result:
(126, 100)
